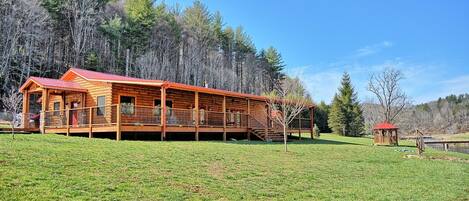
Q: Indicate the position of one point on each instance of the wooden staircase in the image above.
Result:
(261, 131)
(272, 135)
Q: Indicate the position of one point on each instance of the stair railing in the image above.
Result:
(255, 123)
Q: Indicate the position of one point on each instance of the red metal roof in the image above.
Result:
(107, 77)
(174, 85)
(53, 84)
(384, 126)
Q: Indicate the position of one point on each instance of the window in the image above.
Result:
(101, 106)
(157, 104)
(127, 105)
(56, 108)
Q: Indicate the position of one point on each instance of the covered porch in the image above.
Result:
(43, 94)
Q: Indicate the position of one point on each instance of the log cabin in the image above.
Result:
(89, 102)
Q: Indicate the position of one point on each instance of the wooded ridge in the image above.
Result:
(138, 38)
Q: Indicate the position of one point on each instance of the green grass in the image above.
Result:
(54, 167)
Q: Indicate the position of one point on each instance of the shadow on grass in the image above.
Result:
(304, 141)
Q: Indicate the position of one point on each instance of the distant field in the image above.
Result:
(4, 125)
(55, 167)
(460, 136)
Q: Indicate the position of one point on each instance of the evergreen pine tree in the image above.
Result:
(345, 117)
(321, 116)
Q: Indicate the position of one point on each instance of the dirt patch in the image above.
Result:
(440, 158)
(193, 188)
(216, 170)
(448, 158)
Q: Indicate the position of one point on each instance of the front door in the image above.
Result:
(74, 114)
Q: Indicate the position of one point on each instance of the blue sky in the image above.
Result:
(319, 40)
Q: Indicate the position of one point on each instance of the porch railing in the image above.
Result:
(237, 120)
(141, 116)
(104, 115)
(180, 117)
(148, 115)
(300, 124)
(30, 120)
(255, 123)
(55, 119)
(81, 117)
(210, 119)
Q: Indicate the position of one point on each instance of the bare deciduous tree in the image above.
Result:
(82, 22)
(286, 101)
(11, 102)
(371, 114)
(385, 86)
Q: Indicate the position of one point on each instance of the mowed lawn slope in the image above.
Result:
(54, 167)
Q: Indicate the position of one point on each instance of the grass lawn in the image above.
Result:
(54, 167)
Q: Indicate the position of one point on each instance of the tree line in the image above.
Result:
(346, 115)
(138, 38)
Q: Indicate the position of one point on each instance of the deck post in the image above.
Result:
(397, 138)
(299, 125)
(90, 123)
(197, 115)
(44, 102)
(83, 100)
(67, 117)
(299, 133)
(25, 109)
(224, 118)
(118, 123)
(64, 104)
(248, 119)
(163, 113)
(311, 118)
(266, 136)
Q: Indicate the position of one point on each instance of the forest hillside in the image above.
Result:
(138, 38)
(447, 115)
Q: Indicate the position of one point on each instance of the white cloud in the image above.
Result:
(321, 85)
(457, 85)
(423, 82)
(371, 49)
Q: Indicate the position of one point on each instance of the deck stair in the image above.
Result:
(272, 135)
(261, 131)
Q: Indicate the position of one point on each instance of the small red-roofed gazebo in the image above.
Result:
(385, 133)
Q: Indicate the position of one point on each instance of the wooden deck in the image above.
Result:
(113, 119)
(90, 102)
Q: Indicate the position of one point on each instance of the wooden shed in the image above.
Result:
(385, 133)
